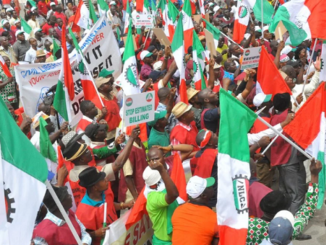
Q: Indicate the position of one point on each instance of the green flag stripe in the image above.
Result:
(129, 50)
(46, 148)
(17, 149)
(177, 41)
(59, 102)
(212, 29)
(236, 120)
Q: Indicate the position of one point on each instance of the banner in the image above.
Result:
(139, 234)
(143, 20)
(139, 108)
(100, 50)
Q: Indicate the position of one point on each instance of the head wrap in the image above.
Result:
(206, 138)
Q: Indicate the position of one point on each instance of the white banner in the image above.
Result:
(250, 58)
(143, 20)
(139, 234)
(101, 51)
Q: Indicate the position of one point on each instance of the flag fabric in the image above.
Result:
(46, 148)
(202, 10)
(241, 20)
(322, 74)
(138, 210)
(263, 10)
(129, 76)
(163, 7)
(317, 17)
(178, 50)
(55, 48)
(308, 130)
(198, 62)
(139, 5)
(5, 67)
(234, 170)
(82, 16)
(127, 18)
(92, 14)
(32, 3)
(297, 27)
(172, 13)
(178, 177)
(103, 7)
(26, 27)
(212, 29)
(87, 81)
(188, 25)
(22, 182)
(65, 90)
(269, 79)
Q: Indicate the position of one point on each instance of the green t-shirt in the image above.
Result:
(157, 209)
(158, 138)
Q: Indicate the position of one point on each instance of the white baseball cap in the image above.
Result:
(287, 49)
(261, 98)
(151, 176)
(19, 32)
(196, 185)
(4, 21)
(113, 3)
(9, 9)
(158, 65)
(216, 8)
(52, 4)
(286, 215)
(17, 21)
(144, 54)
(34, 8)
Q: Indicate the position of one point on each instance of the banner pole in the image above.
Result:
(312, 54)
(231, 40)
(63, 212)
(285, 138)
(262, 18)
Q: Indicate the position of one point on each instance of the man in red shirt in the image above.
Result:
(58, 13)
(41, 5)
(52, 22)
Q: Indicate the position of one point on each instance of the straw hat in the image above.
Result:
(180, 108)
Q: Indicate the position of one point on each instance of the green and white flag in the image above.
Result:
(46, 147)
(56, 47)
(129, 76)
(23, 172)
(92, 14)
(102, 6)
(26, 27)
(296, 24)
(212, 29)
(234, 170)
(263, 10)
(198, 62)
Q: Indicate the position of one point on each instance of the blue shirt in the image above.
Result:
(229, 75)
(87, 200)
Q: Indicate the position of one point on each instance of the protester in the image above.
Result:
(21, 46)
(7, 50)
(8, 84)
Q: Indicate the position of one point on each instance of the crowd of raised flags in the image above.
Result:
(230, 143)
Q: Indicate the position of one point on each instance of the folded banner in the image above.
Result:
(100, 50)
(138, 234)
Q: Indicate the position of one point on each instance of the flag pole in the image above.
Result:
(305, 81)
(262, 18)
(269, 145)
(63, 212)
(231, 40)
(276, 2)
(285, 138)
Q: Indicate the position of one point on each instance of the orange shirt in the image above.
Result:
(194, 224)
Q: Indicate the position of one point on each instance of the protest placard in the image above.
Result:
(160, 35)
(250, 58)
(143, 20)
(139, 108)
(210, 42)
(100, 50)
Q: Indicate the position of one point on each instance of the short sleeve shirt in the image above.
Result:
(8, 92)
(157, 209)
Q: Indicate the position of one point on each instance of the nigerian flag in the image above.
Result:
(263, 10)
(234, 170)
(198, 62)
(102, 6)
(23, 172)
(129, 75)
(26, 27)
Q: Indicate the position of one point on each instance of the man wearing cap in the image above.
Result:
(7, 50)
(33, 22)
(89, 112)
(6, 27)
(158, 134)
(8, 84)
(146, 69)
(38, 36)
(192, 96)
(13, 18)
(280, 229)
(264, 172)
(90, 211)
(9, 12)
(54, 224)
(21, 46)
(185, 131)
(113, 16)
(276, 201)
(104, 85)
(206, 159)
(195, 222)
(16, 26)
(51, 10)
(161, 195)
(80, 156)
(40, 56)
(31, 53)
